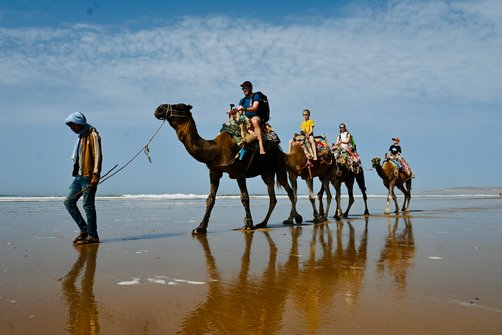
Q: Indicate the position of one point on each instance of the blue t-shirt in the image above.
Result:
(248, 102)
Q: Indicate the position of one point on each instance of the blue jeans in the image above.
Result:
(78, 188)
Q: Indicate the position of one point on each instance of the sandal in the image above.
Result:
(80, 237)
(88, 240)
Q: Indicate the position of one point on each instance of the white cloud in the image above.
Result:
(409, 50)
(411, 68)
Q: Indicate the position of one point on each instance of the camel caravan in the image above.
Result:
(247, 146)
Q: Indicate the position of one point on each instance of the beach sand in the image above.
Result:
(437, 270)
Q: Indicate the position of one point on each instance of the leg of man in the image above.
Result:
(71, 204)
(257, 129)
(314, 149)
(90, 208)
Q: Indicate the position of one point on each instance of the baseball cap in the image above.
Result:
(247, 83)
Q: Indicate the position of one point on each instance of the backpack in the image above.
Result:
(353, 142)
(263, 107)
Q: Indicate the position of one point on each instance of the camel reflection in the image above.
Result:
(256, 302)
(398, 253)
(243, 305)
(336, 274)
(83, 315)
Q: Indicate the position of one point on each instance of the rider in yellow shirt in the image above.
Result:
(307, 129)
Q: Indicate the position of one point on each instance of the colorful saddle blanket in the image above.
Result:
(402, 165)
(233, 128)
(322, 146)
(350, 161)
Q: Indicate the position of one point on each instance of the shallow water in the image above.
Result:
(436, 270)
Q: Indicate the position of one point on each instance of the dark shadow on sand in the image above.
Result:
(143, 237)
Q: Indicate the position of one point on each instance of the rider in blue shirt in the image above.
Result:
(249, 106)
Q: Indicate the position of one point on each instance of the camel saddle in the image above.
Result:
(343, 158)
(322, 146)
(233, 128)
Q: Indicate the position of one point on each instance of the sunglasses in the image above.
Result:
(305, 114)
(245, 88)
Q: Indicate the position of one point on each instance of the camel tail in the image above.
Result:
(282, 177)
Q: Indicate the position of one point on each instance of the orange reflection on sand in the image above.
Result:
(250, 303)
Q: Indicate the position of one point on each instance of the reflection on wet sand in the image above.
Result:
(243, 305)
(83, 315)
(398, 253)
(252, 303)
(331, 274)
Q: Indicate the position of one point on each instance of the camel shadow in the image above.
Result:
(142, 237)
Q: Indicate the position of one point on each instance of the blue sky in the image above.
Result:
(426, 71)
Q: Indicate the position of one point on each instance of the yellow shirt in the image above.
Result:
(307, 126)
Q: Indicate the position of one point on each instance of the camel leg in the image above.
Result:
(324, 215)
(390, 187)
(248, 220)
(408, 186)
(320, 194)
(349, 183)
(292, 194)
(310, 186)
(362, 186)
(269, 180)
(394, 197)
(406, 189)
(338, 191)
(387, 205)
(214, 179)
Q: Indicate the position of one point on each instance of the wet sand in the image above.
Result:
(437, 270)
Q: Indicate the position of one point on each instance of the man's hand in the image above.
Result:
(94, 180)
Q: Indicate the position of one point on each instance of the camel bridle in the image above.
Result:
(175, 113)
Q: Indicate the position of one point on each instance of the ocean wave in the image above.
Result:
(190, 196)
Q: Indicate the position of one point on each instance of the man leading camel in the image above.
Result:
(249, 106)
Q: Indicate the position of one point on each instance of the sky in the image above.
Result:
(428, 72)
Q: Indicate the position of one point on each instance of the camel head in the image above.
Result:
(168, 111)
(375, 162)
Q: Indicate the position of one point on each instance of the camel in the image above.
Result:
(219, 155)
(298, 165)
(341, 173)
(344, 175)
(392, 177)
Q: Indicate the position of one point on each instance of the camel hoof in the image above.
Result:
(338, 216)
(248, 224)
(287, 222)
(298, 219)
(248, 228)
(261, 225)
(199, 231)
(366, 213)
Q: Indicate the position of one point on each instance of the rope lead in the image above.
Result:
(144, 149)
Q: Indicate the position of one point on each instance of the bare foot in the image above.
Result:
(315, 158)
(262, 152)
